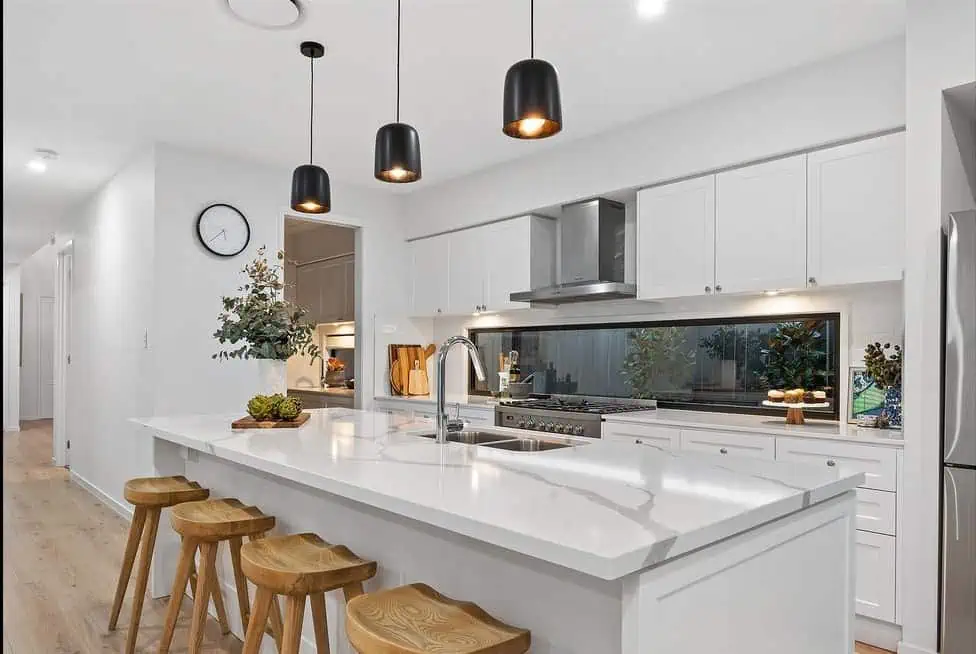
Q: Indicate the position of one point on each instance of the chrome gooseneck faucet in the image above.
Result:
(443, 424)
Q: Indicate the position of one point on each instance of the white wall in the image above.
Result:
(940, 54)
(837, 99)
(11, 349)
(37, 287)
(111, 373)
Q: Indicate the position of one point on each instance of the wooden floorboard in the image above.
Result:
(62, 549)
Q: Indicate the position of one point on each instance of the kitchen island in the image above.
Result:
(597, 548)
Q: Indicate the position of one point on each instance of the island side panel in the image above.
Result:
(787, 586)
(567, 612)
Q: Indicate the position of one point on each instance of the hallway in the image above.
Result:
(62, 550)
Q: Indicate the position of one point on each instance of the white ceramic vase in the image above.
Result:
(273, 376)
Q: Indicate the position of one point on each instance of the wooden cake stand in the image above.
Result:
(794, 412)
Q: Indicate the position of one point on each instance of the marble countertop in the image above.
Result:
(774, 426)
(603, 509)
(338, 392)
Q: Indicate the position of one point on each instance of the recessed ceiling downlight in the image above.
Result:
(266, 14)
(40, 160)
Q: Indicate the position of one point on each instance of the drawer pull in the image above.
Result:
(724, 450)
(831, 463)
(638, 441)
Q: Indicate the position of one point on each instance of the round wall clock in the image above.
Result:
(223, 230)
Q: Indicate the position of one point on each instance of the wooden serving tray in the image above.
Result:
(247, 422)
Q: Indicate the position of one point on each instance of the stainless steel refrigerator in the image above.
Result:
(958, 535)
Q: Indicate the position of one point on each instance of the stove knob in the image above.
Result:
(578, 430)
(530, 424)
(559, 429)
(520, 424)
(548, 427)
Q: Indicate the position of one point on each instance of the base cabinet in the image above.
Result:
(875, 594)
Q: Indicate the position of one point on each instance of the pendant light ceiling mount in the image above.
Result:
(532, 108)
(396, 157)
(311, 191)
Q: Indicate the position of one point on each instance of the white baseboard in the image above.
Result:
(908, 648)
(123, 510)
(876, 632)
(17, 428)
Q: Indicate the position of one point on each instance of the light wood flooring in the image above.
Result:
(62, 549)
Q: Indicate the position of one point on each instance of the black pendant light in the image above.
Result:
(531, 109)
(310, 190)
(397, 153)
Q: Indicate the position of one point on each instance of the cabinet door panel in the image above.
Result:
(856, 196)
(508, 262)
(429, 269)
(349, 306)
(877, 463)
(332, 290)
(761, 227)
(666, 438)
(875, 586)
(676, 239)
(757, 446)
(307, 292)
(466, 271)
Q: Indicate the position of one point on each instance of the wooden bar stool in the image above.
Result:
(203, 525)
(149, 495)
(416, 619)
(299, 566)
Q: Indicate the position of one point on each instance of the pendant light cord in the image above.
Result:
(531, 29)
(398, 65)
(311, 106)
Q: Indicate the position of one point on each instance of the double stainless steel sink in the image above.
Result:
(501, 441)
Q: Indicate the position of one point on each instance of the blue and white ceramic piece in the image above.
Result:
(892, 406)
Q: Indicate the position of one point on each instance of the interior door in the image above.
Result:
(45, 358)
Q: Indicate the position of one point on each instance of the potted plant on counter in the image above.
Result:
(259, 324)
(886, 372)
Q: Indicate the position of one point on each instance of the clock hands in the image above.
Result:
(222, 232)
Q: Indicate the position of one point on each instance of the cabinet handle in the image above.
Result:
(708, 289)
(812, 281)
(723, 451)
(718, 288)
(831, 463)
(638, 441)
(438, 311)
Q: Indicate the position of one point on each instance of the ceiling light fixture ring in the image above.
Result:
(260, 14)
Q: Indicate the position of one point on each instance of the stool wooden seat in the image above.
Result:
(416, 619)
(203, 525)
(299, 566)
(149, 495)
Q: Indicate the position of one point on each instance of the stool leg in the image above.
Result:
(218, 597)
(242, 599)
(131, 545)
(295, 611)
(350, 591)
(276, 624)
(320, 622)
(256, 625)
(191, 588)
(201, 599)
(142, 577)
(187, 551)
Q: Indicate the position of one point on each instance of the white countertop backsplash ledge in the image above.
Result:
(603, 509)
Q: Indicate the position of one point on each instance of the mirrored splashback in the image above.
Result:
(714, 364)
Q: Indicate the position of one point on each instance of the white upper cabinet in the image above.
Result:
(429, 268)
(466, 271)
(676, 239)
(520, 255)
(761, 227)
(856, 218)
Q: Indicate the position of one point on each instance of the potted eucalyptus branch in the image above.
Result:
(886, 372)
(259, 324)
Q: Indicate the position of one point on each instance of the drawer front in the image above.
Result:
(877, 463)
(876, 511)
(875, 587)
(731, 443)
(666, 438)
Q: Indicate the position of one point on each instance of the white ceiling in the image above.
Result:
(97, 80)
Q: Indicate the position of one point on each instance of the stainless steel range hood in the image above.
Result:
(591, 247)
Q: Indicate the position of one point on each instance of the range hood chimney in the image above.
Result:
(591, 248)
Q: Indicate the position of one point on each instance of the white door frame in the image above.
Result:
(62, 351)
(364, 356)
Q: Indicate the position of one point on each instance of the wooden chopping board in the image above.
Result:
(247, 422)
(402, 360)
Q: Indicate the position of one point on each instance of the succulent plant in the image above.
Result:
(276, 401)
(260, 407)
(289, 408)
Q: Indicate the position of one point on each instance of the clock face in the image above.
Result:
(223, 230)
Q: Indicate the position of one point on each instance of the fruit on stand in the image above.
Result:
(289, 408)
(260, 407)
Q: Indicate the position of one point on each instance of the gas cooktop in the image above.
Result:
(573, 415)
(599, 407)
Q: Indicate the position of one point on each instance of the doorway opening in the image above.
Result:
(320, 277)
